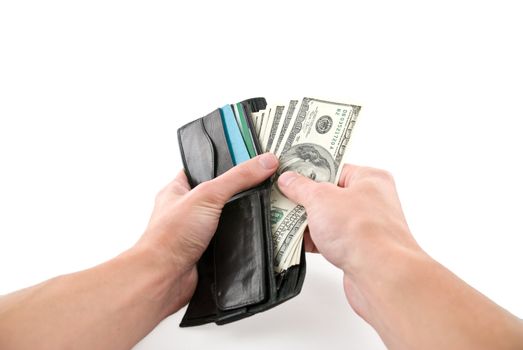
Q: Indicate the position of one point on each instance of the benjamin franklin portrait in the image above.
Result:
(309, 160)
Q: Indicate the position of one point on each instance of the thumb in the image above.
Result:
(240, 178)
(298, 188)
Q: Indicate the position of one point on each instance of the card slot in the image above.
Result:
(197, 152)
(213, 125)
(204, 149)
(260, 188)
(239, 254)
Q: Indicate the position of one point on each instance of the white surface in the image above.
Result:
(91, 95)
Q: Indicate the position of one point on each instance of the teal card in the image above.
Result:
(237, 148)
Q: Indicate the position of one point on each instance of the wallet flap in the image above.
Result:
(197, 152)
(204, 149)
(214, 127)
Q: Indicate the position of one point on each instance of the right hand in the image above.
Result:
(409, 298)
(356, 225)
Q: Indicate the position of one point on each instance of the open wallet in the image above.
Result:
(236, 276)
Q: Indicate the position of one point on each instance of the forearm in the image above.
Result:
(416, 303)
(111, 306)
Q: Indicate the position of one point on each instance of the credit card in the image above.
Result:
(245, 130)
(237, 116)
(237, 148)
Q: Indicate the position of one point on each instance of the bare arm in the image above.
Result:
(411, 300)
(115, 304)
(110, 306)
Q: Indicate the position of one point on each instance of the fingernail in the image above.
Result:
(268, 161)
(287, 178)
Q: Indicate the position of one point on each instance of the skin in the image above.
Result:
(117, 303)
(412, 301)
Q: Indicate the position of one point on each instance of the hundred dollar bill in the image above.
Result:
(261, 117)
(284, 124)
(314, 144)
(268, 115)
(254, 117)
(271, 135)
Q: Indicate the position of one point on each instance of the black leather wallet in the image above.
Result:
(236, 278)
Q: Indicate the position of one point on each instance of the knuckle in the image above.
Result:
(160, 195)
(245, 172)
(376, 186)
(209, 190)
(208, 185)
(175, 183)
(204, 188)
(380, 174)
(385, 176)
(371, 186)
(176, 188)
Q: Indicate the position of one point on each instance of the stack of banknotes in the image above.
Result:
(309, 136)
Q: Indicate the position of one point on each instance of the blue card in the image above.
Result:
(237, 148)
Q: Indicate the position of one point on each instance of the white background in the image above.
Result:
(91, 95)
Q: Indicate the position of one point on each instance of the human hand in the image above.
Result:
(356, 225)
(362, 212)
(184, 220)
(408, 297)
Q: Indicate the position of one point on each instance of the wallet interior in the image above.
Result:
(236, 277)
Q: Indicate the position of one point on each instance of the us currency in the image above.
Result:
(254, 117)
(259, 121)
(313, 145)
(265, 123)
(273, 128)
(289, 112)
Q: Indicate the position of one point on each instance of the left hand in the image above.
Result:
(184, 220)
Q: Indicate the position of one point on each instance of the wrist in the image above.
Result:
(374, 282)
(167, 283)
(372, 246)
